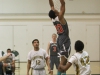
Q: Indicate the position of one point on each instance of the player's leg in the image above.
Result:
(51, 64)
(58, 45)
(64, 53)
(13, 69)
(1, 68)
(57, 62)
(63, 62)
(4, 66)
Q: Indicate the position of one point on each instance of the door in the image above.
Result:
(93, 42)
(78, 32)
(48, 30)
(20, 44)
(6, 37)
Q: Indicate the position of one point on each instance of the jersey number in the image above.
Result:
(85, 61)
(59, 28)
(38, 62)
(54, 49)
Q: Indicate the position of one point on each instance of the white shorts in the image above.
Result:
(39, 72)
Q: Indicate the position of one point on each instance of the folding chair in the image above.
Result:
(2, 53)
(17, 58)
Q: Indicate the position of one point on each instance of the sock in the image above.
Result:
(63, 74)
(4, 73)
(13, 73)
(58, 73)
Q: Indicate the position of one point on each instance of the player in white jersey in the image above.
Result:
(80, 60)
(9, 61)
(36, 59)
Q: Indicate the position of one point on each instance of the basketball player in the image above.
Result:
(36, 59)
(9, 61)
(80, 60)
(52, 46)
(61, 25)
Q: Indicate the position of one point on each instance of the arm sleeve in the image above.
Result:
(72, 59)
(29, 56)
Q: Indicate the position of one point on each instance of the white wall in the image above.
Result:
(42, 6)
(19, 31)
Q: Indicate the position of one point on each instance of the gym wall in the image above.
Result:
(38, 6)
(21, 21)
(17, 33)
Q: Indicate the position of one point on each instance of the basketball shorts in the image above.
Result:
(54, 60)
(39, 72)
(64, 47)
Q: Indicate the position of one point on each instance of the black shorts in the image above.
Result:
(64, 46)
(54, 60)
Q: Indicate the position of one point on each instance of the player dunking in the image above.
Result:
(61, 25)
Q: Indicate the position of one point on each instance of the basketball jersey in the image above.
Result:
(53, 49)
(37, 58)
(10, 58)
(63, 32)
(61, 29)
(81, 63)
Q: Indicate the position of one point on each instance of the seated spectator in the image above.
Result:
(9, 61)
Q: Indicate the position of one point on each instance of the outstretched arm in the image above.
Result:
(69, 63)
(51, 4)
(65, 67)
(4, 57)
(62, 9)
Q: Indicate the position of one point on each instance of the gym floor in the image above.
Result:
(95, 69)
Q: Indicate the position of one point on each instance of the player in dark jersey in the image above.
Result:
(53, 49)
(61, 25)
